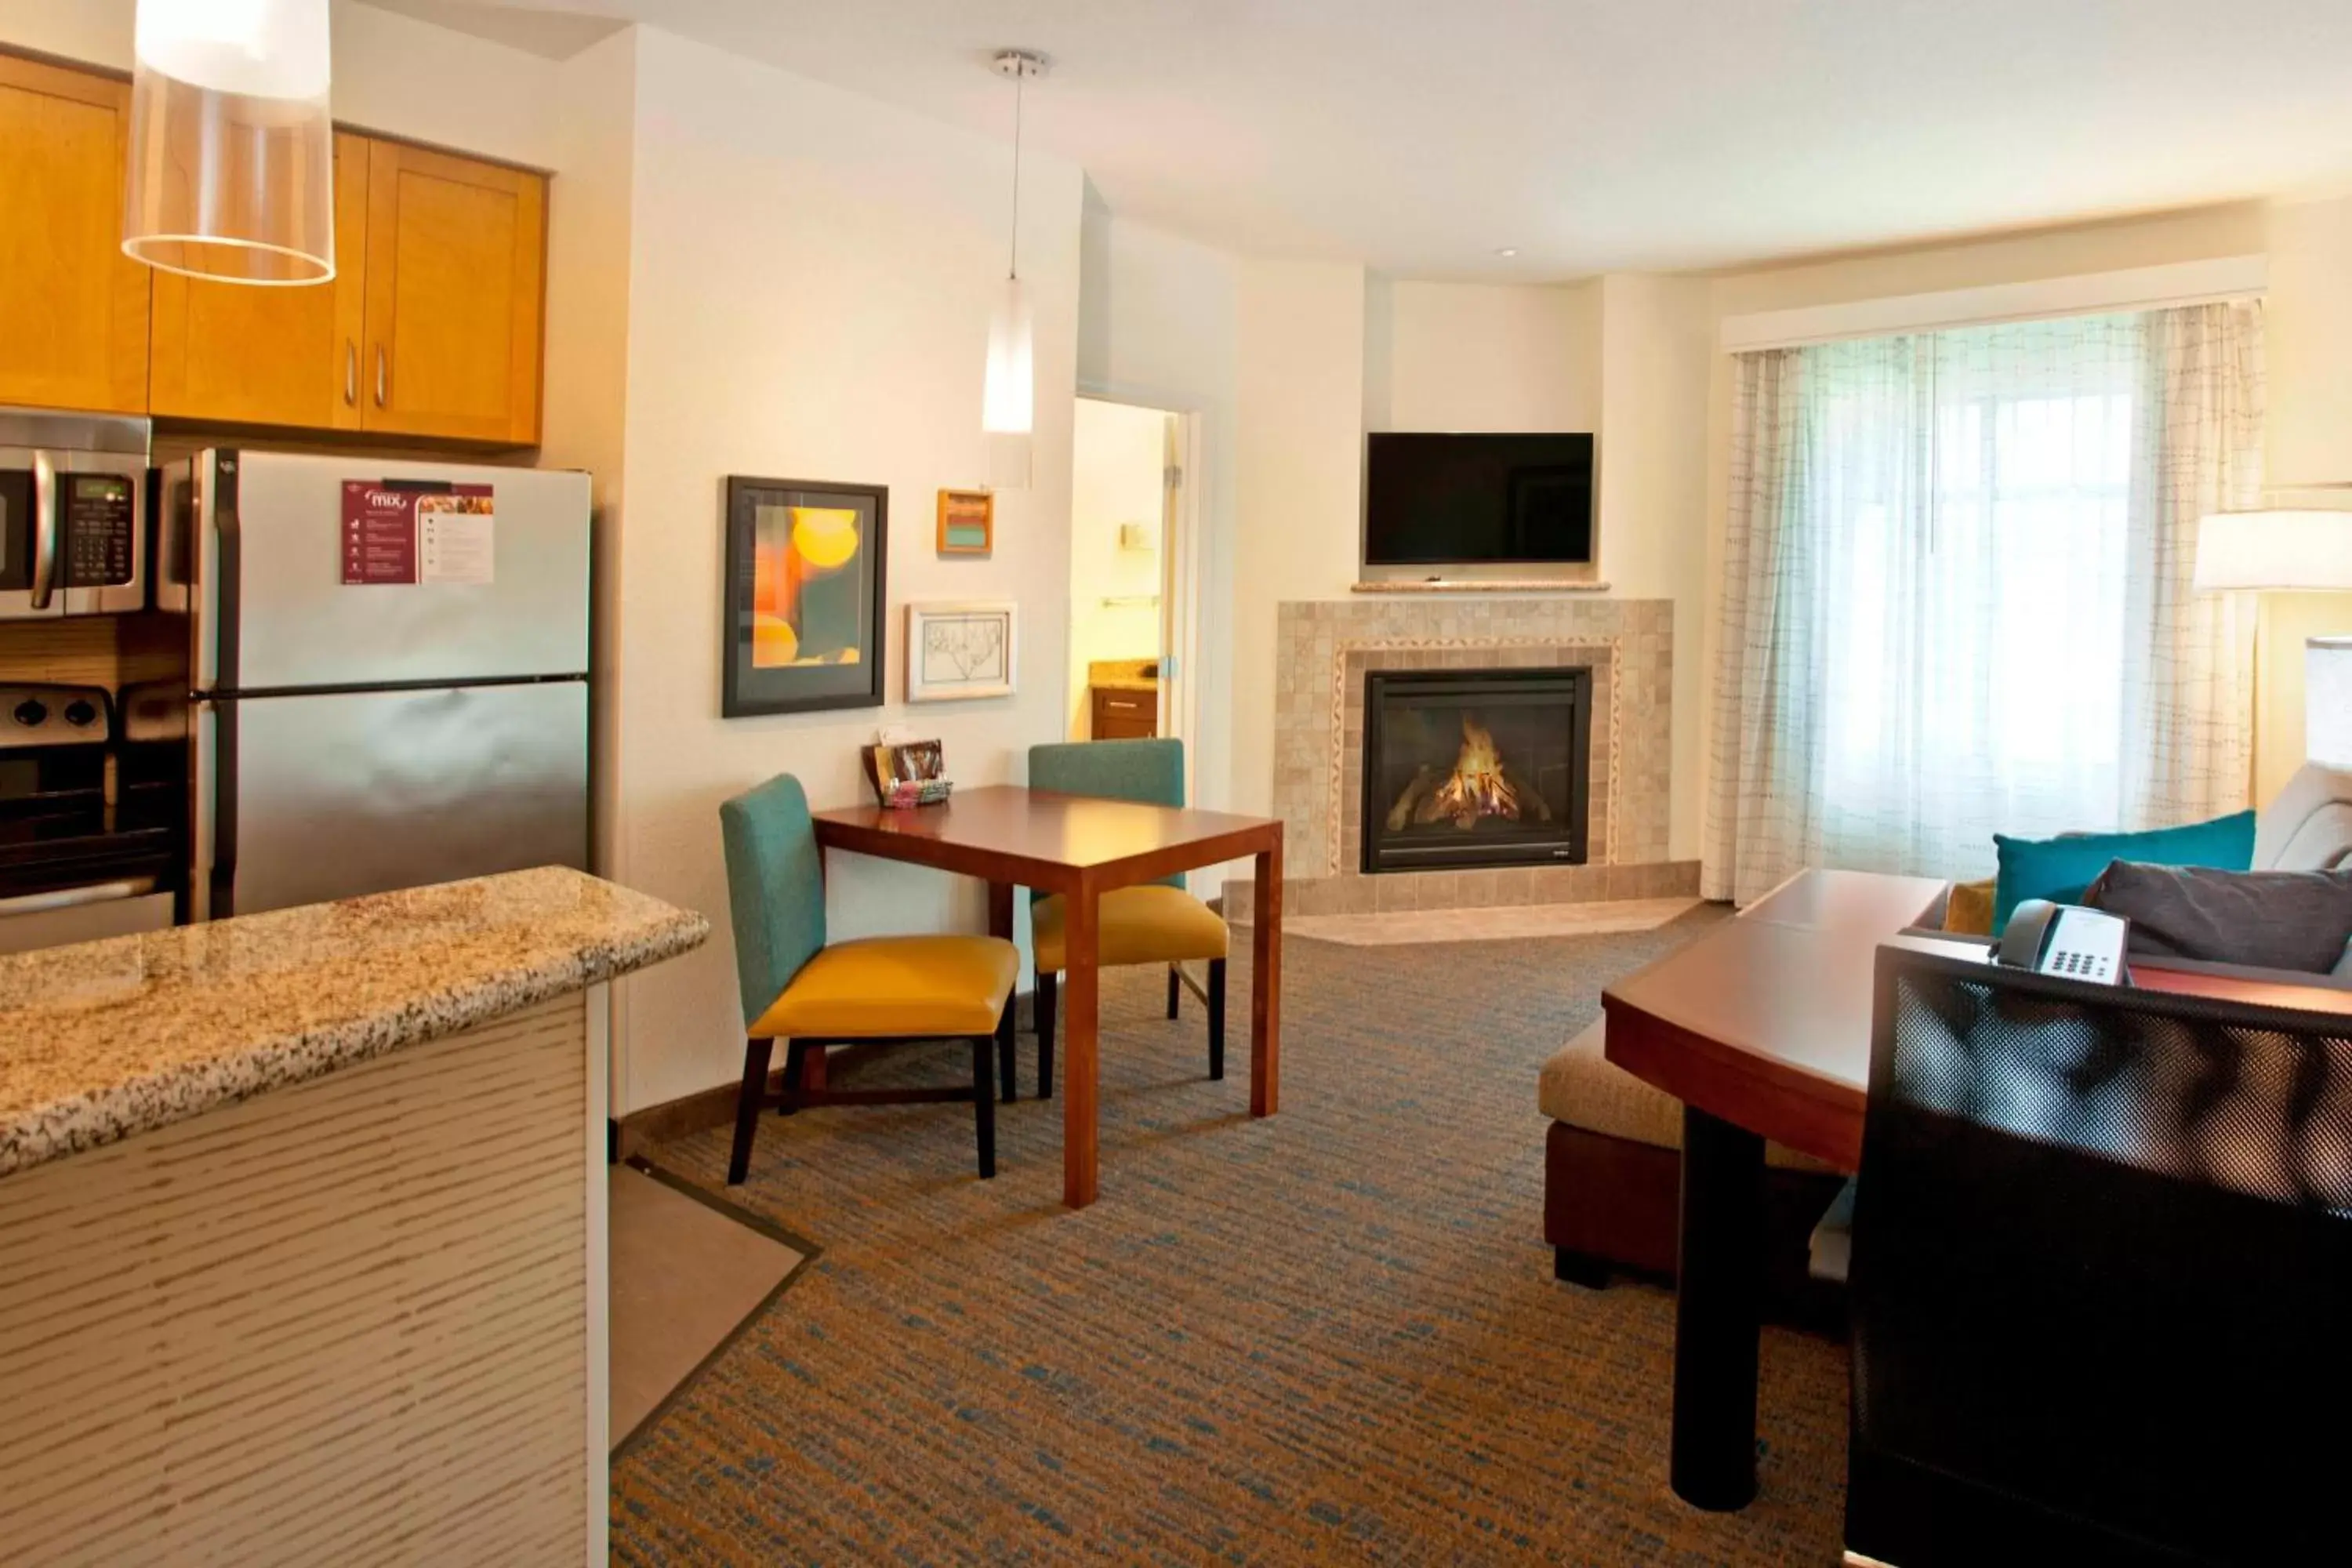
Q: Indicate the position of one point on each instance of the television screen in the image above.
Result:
(1454, 499)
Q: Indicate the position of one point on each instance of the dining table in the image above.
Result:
(1080, 848)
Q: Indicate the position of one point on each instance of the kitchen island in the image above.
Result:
(302, 1229)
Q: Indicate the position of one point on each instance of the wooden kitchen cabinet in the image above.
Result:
(1124, 714)
(238, 355)
(455, 277)
(73, 308)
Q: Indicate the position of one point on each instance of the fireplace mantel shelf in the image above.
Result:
(1476, 585)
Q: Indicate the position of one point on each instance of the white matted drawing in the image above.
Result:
(956, 651)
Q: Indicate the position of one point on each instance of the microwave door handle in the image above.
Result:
(44, 530)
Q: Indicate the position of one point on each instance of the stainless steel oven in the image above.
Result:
(73, 514)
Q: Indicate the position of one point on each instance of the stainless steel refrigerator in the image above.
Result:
(388, 664)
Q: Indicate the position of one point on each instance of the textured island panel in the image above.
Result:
(106, 1039)
(346, 1323)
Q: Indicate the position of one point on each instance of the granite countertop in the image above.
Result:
(1124, 674)
(106, 1039)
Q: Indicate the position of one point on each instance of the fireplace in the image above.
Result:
(1475, 767)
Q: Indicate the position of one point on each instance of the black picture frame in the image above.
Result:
(749, 688)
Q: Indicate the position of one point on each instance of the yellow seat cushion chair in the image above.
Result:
(810, 994)
(1159, 922)
(1152, 924)
(893, 985)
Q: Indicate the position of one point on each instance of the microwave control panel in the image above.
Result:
(101, 521)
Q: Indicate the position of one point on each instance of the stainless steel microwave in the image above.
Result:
(73, 514)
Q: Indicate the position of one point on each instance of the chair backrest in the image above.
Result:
(775, 887)
(1149, 772)
(2101, 1263)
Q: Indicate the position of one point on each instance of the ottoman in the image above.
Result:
(1613, 1179)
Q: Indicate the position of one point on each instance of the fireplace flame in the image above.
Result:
(1478, 787)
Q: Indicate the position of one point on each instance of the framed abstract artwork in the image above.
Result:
(967, 523)
(802, 628)
(962, 650)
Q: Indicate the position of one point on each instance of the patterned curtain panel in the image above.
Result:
(1956, 595)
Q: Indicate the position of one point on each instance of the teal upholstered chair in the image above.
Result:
(812, 994)
(1158, 922)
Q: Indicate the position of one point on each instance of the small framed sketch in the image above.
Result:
(956, 651)
(805, 588)
(967, 523)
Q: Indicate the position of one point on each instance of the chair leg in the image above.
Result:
(1175, 989)
(748, 1100)
(1005, 1062)
(795, 1076)
(983, 1101)
(1047, 985)
(1216, 1017)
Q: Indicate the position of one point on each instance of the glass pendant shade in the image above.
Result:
(231, 141)
(1008, 401)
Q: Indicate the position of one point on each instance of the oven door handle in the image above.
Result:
(44, 530)
(77, 898)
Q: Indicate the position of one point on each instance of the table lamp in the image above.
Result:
(2294, 552)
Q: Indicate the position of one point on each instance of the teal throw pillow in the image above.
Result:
(2062, 869)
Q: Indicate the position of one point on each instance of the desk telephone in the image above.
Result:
(2067, 940)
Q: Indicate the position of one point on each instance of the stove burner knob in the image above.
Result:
(31, 712)
(80, 714)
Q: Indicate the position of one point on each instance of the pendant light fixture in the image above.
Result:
(1009, 397)
(232, 143)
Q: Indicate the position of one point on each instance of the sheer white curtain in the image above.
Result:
(1956, 592)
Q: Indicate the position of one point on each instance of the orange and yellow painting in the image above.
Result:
(808, 606)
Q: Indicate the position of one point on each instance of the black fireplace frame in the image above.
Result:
(1490, 688)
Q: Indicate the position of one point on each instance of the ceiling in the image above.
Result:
(1589, 135)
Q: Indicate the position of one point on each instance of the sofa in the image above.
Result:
(1613, 1167)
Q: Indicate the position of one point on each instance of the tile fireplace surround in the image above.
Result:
(1322, 650)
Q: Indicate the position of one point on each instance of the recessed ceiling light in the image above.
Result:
(1509, 250)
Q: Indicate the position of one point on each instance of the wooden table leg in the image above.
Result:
(1718, 1308)
(1266, 983)
(999, 910)
(1079, 1047)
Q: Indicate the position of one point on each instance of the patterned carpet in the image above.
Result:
(1330, 1336)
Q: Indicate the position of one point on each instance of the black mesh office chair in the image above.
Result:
(2102, 1277)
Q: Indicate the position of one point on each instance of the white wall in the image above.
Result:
(2309, 322)
(1300, 386)
(812, 274)
(393, 74)
(1481, 357)
(1118, 451)
(1159, 325)
(1658, 343)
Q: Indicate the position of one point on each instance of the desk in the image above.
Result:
(1762, 1028)
(1082, 847)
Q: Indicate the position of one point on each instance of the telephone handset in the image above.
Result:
(2067, 940)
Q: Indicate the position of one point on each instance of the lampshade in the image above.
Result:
(2328, 701)
(1009, 398)
(2291, 551)
(232, 142)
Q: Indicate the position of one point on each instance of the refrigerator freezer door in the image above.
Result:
(331, 797)
(282, 618)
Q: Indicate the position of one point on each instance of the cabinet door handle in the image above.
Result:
(382, 373)
(352, 373)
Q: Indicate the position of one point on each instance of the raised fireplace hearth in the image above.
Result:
(1474, 768)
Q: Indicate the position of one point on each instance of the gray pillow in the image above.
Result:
(2272, 919)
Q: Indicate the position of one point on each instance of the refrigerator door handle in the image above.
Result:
(44, 530)
(203, 806)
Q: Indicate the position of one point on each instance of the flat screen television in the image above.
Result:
(1455, 499)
